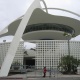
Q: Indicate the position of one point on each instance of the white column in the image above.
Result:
(13, 47)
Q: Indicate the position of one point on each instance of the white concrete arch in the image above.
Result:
(45, 5)
(13, 47)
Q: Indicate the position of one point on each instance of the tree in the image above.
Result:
(25, 52)
(16, 65)
(68, 64)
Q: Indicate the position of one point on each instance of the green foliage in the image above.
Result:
(67, 34)
(16, 63)
(68, 64)
(73, 35)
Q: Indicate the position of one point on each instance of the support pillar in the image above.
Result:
(15, 42)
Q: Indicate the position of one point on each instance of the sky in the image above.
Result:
(13, 9)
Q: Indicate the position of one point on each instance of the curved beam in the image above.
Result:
(49, 26)
(64, 10)
(44, 5)
(37, 35)
(15, 42)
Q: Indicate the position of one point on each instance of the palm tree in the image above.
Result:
(68, 35)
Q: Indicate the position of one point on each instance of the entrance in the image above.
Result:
(29, 61)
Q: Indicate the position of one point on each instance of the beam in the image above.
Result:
(15, 42)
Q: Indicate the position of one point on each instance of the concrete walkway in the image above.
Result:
(39, 76)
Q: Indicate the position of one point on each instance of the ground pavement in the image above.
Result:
(39, 76)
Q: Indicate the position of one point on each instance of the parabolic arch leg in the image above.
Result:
(15, 42)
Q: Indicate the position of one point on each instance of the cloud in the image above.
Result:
(72, 5)
(29, 45)
(77, 38)
(11, 10)
(7, 38)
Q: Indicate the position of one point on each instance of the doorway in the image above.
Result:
(29, 61)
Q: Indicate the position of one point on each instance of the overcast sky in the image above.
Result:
(13, 9)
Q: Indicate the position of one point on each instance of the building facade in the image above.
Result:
(49, 52)
(19, 53)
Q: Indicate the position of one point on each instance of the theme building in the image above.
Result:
(37, 24)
